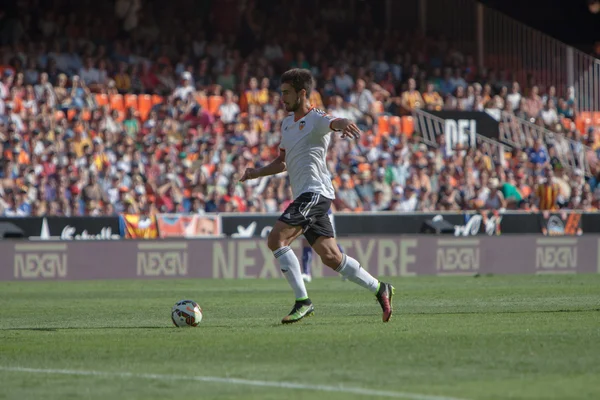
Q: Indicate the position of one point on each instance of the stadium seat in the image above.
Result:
(202, 100)
(408, 126)
(131, 100)
(383, 123)
(397, 122)
(214, 102)
(144, 106)
(156, 99)
(596, 118)
(116, 102)
(101, 99)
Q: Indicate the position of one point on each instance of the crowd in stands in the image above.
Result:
(103, 114)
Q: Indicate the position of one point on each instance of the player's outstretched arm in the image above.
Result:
(277, 166)
(347, 127)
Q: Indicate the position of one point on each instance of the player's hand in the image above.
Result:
(351, 131)
(249, 173)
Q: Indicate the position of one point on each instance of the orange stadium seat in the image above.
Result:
(101, 99)
(408, 125)
(116, 102)
(144, 105)
(384, 126)
(583, 121)
(596, 118)
(156, 99)
(397, 122)
(131, 100)
(214, 102)
(71, 114)
(202, 100)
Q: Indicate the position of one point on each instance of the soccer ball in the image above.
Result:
(186, 313)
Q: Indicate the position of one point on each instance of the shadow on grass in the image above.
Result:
(107, 327)
(503, 312)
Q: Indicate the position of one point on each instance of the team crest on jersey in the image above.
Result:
(302, 124)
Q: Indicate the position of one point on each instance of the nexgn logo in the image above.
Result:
(556, 255)
(40, 261)
(457, 256)
(166, 259)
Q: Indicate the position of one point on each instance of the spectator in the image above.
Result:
(229, 110)
(538, 154)
(362, 98)
(348, 198)
(514, 98)
(343, 82)
(547, 192)
(412, 99)
(432, 99)
(549, 115)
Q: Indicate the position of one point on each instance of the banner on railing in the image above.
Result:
(67, 228)
(139, 226)
(490, 223)
(461, 127)
(188, 226)
(247, 225)
(560, 224)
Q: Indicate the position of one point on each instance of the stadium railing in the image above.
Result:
(515, 132)
(503, 43)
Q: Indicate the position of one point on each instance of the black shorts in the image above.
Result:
(309, 211)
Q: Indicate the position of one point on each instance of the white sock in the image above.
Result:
(351, 269)
(290, 266)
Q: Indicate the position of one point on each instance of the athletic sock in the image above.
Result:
(288, 262)
(307, 253)
(351, 269)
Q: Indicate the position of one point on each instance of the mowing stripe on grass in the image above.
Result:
(234, 381)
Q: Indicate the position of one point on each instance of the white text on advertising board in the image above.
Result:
(458, 256)
(253, 258)
(556, 255)
(162, 259)
(40, 261)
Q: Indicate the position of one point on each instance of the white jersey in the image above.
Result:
(305, 143)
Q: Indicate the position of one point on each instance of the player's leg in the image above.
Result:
(320, 236)
(289, 226)
(307, 253)
(332, 220)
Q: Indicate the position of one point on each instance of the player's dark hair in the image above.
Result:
(298, 79)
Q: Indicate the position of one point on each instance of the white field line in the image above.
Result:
(233, 381)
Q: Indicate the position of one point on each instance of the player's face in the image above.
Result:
(290, 98)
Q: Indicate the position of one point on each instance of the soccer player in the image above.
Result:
(306, 135)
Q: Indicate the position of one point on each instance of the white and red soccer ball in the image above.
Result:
(186, 313)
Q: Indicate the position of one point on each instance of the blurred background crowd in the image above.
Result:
(136, 107)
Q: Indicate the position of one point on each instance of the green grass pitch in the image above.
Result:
(501, 337)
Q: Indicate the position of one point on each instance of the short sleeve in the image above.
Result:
(323, 122)
(281, 146)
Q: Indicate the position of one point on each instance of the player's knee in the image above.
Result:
(331, 258)
(274, 241)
